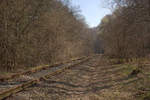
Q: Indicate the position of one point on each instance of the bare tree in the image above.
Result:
(34, 32)
(126, 33)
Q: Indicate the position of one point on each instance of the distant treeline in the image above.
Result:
(35, 32)
(126, 33)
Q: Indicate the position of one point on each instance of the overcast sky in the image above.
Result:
(92, 10)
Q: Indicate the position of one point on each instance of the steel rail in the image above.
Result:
(37, 69)
(30, 83)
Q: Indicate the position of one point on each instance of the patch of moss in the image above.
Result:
(117, 61)
(146, 96)
(4, 73)
(128, 69)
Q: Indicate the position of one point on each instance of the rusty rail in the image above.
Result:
(37, 69)
(25, 85)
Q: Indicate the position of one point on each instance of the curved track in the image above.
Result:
(21, 81)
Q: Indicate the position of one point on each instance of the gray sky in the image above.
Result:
(92, 10)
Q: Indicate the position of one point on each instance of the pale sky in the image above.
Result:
(92, 10)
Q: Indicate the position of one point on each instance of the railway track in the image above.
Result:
(82, 80)
(19, 82)
(37, 69)
(88, 76)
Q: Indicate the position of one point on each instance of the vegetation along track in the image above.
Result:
(29, 78)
